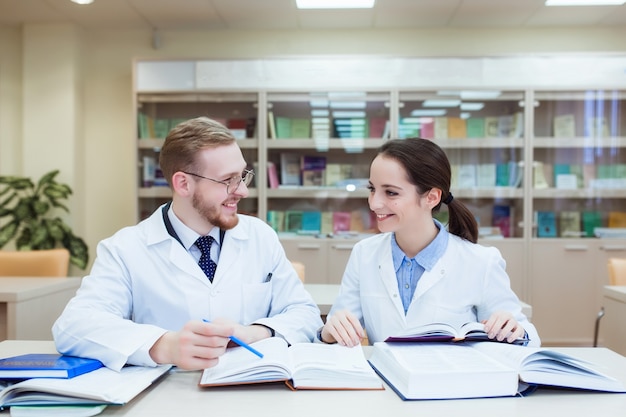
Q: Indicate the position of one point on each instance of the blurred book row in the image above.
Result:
(314, 171)
(505, 126)
(311, 222)
(574, 224)
(157, 128)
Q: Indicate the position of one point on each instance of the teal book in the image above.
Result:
(46, 365)
(546, 224)
(502, 175)
(591, 220)
(311, 221)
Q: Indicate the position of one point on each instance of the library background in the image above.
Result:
(535, 131)
(555, 220)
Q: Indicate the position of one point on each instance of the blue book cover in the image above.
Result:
(546, 224)
(46, 365)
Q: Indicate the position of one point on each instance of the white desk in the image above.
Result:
(178, 395)
(325, 294)
(29, 306)
(613, 324)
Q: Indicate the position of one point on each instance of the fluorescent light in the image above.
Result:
(429, 112)
(82, 1)
(478, 95)
(585, 2)
(472, 106)
(441, 103)
(347, 104)
(465, 115)
(335, 4)
(319, 103)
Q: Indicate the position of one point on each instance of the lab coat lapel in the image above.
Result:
(387, 275)
(157, 235)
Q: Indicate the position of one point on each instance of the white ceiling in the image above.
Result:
(282, 14)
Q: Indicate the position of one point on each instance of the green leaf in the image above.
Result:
(79, 253)
(47, 178)
(23, 241)
(7, 232)
(23, 211)
(40, 207)
(22, 184)
(39, 236)
(54, 230)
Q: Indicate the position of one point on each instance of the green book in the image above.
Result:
(293, 221)
(569, 224)
(300, 128)
(591, 220)
(283, 127)
(475, 127)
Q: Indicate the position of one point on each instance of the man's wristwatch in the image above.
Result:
(319, 334)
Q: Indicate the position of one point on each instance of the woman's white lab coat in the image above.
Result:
(468, 283)
(144, 283)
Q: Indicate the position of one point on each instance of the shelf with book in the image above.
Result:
(159, 112)
(579, 149)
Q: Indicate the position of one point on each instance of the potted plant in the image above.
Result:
(30, 211)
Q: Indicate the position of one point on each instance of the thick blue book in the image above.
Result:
(46, 365)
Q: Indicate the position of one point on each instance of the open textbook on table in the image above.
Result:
(102, 386)
(419, 371)
(443, 332)
(300, 366)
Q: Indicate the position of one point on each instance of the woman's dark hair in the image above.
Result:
(427, 167)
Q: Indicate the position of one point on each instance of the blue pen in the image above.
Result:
(241, 343)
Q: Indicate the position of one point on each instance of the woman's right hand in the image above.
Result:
(343, 328)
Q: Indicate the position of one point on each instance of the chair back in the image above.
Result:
(35, 263)
(617, 271)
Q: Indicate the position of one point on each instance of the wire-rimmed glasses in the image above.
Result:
(232, 183)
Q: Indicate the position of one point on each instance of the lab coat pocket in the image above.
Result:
(257, 300)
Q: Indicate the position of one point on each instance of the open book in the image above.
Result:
(442, 332)
(418, 371)
(102, 386)
(300, 366)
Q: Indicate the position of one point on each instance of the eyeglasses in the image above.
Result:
(232, 184)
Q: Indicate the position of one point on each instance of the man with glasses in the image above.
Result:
(156, 295)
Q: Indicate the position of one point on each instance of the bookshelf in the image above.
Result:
(500, 114)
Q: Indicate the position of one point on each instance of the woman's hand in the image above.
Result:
(343, 328)
(502, 325)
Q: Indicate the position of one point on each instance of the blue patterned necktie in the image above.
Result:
(206, 263)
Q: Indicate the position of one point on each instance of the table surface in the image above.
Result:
(178, 395)
(616, 292)
(13, 289)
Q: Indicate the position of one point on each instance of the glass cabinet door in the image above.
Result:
(579, 187)
(482, 132)
(158, 113)
(319, 148)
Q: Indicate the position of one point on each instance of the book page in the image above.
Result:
(103, 386)
(238, 365)
(331, 367)
(548, 367)
(442, 370)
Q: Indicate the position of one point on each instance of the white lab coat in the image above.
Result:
(144, 283)
(468, 283)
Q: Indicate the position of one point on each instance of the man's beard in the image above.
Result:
(212, 214)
